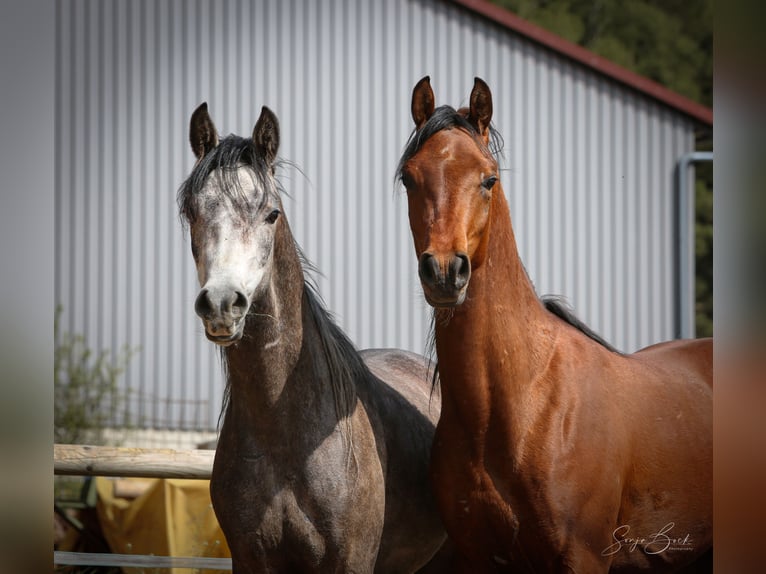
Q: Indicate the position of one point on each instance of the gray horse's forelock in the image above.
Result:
(225, 161)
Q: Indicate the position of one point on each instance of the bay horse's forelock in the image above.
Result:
(321, 463)
(553, 452)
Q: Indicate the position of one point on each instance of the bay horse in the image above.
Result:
(553, 452)
(322, 458)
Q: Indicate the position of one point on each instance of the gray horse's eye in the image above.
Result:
(272, 217)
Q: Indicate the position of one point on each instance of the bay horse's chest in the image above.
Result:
(477, 511)
(503, 512)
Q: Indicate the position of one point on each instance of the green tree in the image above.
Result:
(670, 42)
(86, 395)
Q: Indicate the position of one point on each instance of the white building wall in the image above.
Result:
(588, 170)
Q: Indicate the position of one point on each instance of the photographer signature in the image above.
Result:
(656, 543)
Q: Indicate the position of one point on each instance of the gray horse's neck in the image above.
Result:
(278, 374)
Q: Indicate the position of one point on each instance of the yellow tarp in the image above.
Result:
(173, 517)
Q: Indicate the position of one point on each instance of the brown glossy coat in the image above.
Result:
(552, 452)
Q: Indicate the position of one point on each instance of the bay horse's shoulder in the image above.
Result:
(700, 348)
(696, 354)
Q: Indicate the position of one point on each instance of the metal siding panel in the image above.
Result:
(78, 220)
(543, 152)
(660, 230)
(63, 165)
(551, 221)
(529, 186)
(586, 196)
(605, 216)
(591, 277)
(617, 312)
(582, 250)
(513, 173)
(667, 255)
(650, 231)
(571, 232)
(632, 244)
(587, 170)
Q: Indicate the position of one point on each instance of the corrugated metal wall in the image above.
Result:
(588, 170)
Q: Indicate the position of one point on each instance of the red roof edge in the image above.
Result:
(579, 54)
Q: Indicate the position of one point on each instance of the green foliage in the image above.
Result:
(86, 395)
(670, 42)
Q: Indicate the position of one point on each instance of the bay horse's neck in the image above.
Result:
(501, 335)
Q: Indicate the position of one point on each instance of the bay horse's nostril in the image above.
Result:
(460, 270)
(428, 269)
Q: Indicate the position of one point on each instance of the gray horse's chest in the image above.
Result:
(268, 514)
(273, 508)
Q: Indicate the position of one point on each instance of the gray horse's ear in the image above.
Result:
(203, 136)
(422, 102)
(266, 135)
(480, 112)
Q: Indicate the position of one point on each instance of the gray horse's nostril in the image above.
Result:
(221, 302)
(239, 307)
(202, 305)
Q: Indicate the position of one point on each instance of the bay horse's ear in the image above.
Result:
(202, 133)
(266, 135)
(480, 112)
(422, 102)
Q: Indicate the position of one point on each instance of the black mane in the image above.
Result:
(445, 118)
(229, 155)
(343, 358)
(344, 362)
(556, 305)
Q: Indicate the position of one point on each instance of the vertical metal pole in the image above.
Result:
(685, 297)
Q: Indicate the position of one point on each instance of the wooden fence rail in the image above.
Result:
(138, 561)
(79, 460)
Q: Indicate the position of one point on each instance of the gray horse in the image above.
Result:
(322, 457)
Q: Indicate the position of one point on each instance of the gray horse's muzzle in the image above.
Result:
(222, 310)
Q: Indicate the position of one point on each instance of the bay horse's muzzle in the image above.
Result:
(444, 282)
(221, 310)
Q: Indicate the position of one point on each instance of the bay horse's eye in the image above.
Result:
(272, 217)
(407, 181)
(489, 182)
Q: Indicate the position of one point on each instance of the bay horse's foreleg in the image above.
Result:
(702, 565)
(583, 561)
(462, 565)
